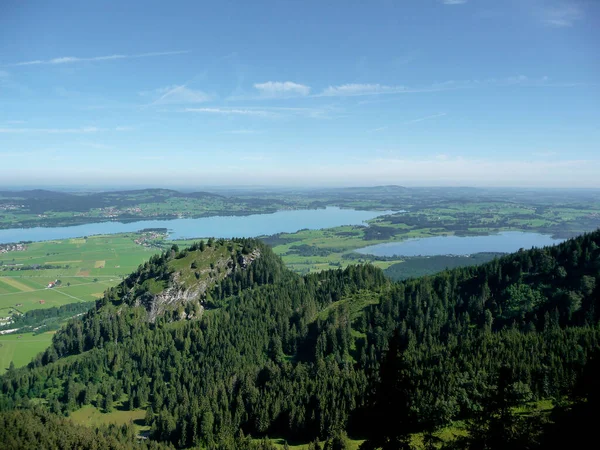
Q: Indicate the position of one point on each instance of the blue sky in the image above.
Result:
(300, 93)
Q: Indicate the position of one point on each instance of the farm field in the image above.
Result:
(21, 348)
(85, 267)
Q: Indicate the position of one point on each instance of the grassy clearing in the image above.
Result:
(21, 348)
(91, 416)
(355, 304)
(280, 443)
(203, 260)
(444, 435)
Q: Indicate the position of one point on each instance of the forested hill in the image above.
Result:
(221, 341)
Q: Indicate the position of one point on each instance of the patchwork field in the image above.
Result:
(85, 268)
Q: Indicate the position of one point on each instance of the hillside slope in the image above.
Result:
(240, 343)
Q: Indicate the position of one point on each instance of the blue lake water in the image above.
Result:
(506, 242)
(217, 226)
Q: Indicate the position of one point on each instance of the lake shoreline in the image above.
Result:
(453, 245)
(225, 226)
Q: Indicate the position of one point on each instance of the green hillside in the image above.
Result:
(220, 341)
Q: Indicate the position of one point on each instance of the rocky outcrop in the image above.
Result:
(177, 293)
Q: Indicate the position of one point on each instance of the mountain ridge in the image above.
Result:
(277, 353)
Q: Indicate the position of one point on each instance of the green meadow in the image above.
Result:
(21, 348)
(91, 416)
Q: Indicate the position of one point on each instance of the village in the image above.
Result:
(19, 247)
(113, 213)
(10, 207)
(110, 212)
(52, 284)
(149, 239)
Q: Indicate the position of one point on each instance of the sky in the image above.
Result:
(300, 93)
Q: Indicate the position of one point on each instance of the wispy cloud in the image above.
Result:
(409, 122)
(50, 130)
(255, 158)
(8, 82)
(270, 112)
(561, 14)
(282, 89)
(545, 154)
(56, 130)
(377, 130)
(373, 89)
(354, 89)
(454, 2)
(231, 111)
(421, 119)
(75, 59)
(96, 145)
(177, 94)
(242, 131)
(446, 170)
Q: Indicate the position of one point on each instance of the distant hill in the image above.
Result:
(85, 201)
(221, 337)
(35, 194)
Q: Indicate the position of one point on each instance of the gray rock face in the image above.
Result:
(177, 294)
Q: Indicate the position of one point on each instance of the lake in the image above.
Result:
(217, 226)
(505, 242)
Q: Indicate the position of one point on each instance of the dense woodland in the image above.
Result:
(310, 357)
(40, 320)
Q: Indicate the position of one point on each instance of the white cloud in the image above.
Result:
(561, 14)
(74, 59)
(282, 89)
(454, 2)
(231, 111)
(179, 94)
